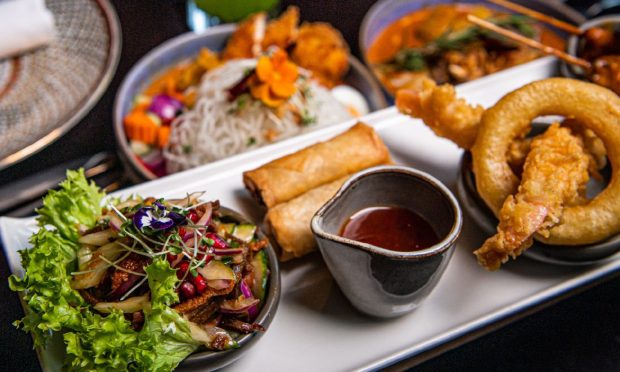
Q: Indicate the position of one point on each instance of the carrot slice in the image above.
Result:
(140, 127)
(163, 136)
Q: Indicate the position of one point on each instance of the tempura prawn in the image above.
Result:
(555, 174)
(446, 114)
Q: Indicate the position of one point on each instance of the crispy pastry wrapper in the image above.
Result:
(290, 176)
(289, 223)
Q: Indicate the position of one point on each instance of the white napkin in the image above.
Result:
(24, 25)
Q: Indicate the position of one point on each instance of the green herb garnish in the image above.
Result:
(416, 59)
(307, 118)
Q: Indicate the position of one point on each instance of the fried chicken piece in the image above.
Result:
(246, 41)
(554, 175)
(321, 49)
(447, 115)
(191, 75)
(283, 31)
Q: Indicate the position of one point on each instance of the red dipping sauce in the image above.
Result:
(394, 228)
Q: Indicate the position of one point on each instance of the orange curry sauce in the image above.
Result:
(417, 29)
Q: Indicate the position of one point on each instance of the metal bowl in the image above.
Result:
(384, 12)
(218, 359)
(186, 46)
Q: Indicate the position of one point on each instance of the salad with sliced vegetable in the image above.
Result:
(139, 283)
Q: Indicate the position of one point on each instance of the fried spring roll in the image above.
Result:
(289, 223)
(290, 176)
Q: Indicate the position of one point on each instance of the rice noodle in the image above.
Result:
(216, 128)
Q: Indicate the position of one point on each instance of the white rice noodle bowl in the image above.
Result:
(216, 128)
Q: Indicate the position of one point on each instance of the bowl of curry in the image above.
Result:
(598, 44)
(405, 42)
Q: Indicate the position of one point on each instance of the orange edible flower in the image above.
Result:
(263, 93)
(276, 77)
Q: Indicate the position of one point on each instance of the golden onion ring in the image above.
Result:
(595, 108)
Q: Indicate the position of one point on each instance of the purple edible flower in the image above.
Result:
(157, 218)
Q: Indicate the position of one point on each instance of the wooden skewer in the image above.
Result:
(529, 42)
(538, 16)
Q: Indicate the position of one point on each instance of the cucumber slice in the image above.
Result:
(217, 270)
(130, 305)
(139, 148)
(244, 232)
(261, 274)
(223, 229)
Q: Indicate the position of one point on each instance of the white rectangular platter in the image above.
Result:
(315, 328)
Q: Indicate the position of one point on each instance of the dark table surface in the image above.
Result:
(578, 333)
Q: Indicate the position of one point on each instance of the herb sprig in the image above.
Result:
(415, 59)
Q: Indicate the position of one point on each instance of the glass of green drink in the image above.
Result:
(202, 14)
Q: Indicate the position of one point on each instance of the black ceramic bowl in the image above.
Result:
(486, 220)
(211, 360)
(576, 43)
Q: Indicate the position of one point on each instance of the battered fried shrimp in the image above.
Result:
(446, 114)
(283, 31)
(453, 118)
(593, 144)
(246, 41)
(322, 49)
(554, 175)
(517, 152)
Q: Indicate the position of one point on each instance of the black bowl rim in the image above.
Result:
(577, 255)
(573, 41)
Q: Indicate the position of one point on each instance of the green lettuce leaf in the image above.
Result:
(101, 344)
(77, 203)
(52, 303)
(165, 339)
(109, 343)
(162, 281)
(94, 342)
